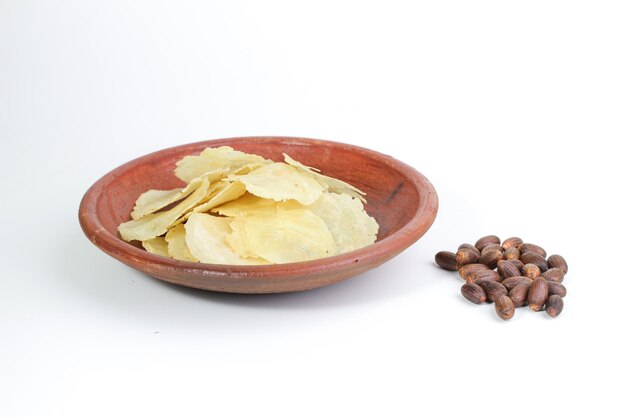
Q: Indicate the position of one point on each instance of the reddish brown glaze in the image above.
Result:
(402, 200)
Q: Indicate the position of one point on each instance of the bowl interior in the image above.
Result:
(392, 197)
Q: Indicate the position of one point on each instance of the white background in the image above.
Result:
(514, 110)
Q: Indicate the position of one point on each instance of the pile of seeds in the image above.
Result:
(523, 275)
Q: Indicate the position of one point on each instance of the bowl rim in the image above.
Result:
(391, 245)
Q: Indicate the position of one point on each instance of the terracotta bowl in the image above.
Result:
(402, 201)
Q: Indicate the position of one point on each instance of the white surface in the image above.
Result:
(513, 110)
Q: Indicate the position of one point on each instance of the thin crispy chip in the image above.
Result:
(246, 169)
(157, 245)
(177, 244)
(156, 224)
(215, 188)
(276, 212)
(351, 227)
(154, 200)
(230, 192)
(329, 183)
(345, 217)
(288, 235)
(211, 159)
(206, 241)
(245, 205)
(279, 181)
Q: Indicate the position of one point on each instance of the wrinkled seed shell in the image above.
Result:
(557, 261)
(470, 247)
(531, 271)
(553, 274)
(465, 270)
(466, 256)
(474, 293)
(526, 276)
(517, 263)
(492, 246)
(446, 260)
(556, 288)
(511, 253)
(493, 289)
(534, 258)
(490, 258)
(512, 242)
(537, 294)
(530, 247)
(506, 269)
(486, 240)
(554, 305)
(518, 294)
(487, 275)
(505, 308)
(513, 282)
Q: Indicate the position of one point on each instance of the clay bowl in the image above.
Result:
(402, 201)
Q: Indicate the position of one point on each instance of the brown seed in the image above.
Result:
(513, 282)
(537, 294)
(529, 247)
(474, 293)
(493, 289)
(556, 288)
(531, 271)
(554, 305)
(484, 241)
(534, 258)
(557, 261)
(487, 275)
(518, 294)
(505, 308)
(492, 246)
(517, 263)
(511, 253)
(512, 242)
(553, 274)
(470, 247)
(466, 256)
(465, 270)
(446, 260)
(507, 269)
(490, 258)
